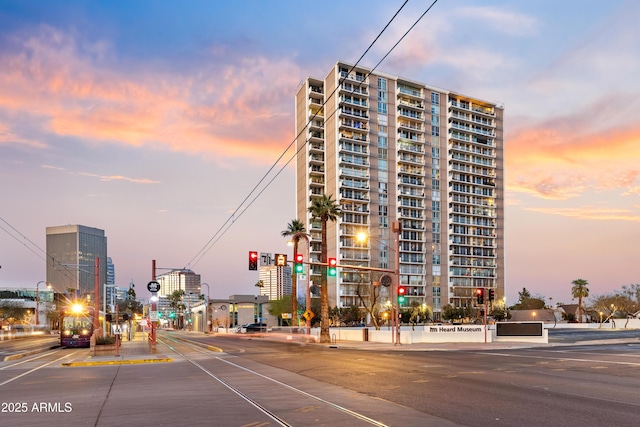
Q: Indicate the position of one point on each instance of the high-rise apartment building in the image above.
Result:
(392, 150)
(275, 281)
(71, 254)
(180, 280)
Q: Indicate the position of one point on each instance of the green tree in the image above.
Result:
(418, 312)
(325, 209)
(500, 313)
(280, 306)
(294, 229)
(12, 311)
(449, 312)
(580, 291)
(527, 302)
(175, 300)
(130, 304)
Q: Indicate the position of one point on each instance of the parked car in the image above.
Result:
(256, 327)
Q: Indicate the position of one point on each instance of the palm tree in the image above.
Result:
(580, 290)
(325, 209)
(294, 228)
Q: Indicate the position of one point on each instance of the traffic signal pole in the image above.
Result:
(486, 297)
(152, 338)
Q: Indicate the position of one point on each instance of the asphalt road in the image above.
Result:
(559, 386)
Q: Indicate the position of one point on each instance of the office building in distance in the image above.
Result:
(71, 254)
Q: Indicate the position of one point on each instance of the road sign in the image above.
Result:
(153, 286)
(265, 259)
(281, 260)
(153, 316)
(308, 315)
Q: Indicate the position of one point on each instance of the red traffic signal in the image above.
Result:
(299, 266)
(332, 270)
(480, 295)
(402, 291)
(253, 260)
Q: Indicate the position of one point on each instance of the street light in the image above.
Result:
(206, 309)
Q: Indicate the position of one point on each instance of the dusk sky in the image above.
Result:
(154, 120)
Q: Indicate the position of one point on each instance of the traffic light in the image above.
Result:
(480, 295)
(402, 291)
(332, 270)
(299, 266)
(253, 260)
(492, 294)
(172, 315)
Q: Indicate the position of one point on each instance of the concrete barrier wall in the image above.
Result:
(459, 333)
(615, 324)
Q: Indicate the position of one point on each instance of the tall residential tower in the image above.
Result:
(389, 149)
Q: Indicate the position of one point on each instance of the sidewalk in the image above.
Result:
(136, 350)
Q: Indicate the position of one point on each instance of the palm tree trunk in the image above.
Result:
(580, 309)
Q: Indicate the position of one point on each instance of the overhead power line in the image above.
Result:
(241, 209)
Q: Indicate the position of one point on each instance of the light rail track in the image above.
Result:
(257, 388)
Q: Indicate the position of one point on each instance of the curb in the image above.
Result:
(118, 362)
(29, 353)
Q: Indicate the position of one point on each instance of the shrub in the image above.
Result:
(105, 340)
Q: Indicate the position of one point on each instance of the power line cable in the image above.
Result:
(206, 248)
(222, 230)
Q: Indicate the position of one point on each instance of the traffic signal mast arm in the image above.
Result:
(354, 267)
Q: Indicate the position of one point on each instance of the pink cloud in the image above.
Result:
(563, 158)
(239, 109)
(592, 213)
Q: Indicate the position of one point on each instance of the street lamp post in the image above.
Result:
(397, 229)
(206, 309)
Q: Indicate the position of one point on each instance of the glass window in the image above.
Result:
(382, 83)
(382, 141)
(382, 108)
(435, 98)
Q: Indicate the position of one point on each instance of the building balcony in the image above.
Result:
(413, 93)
